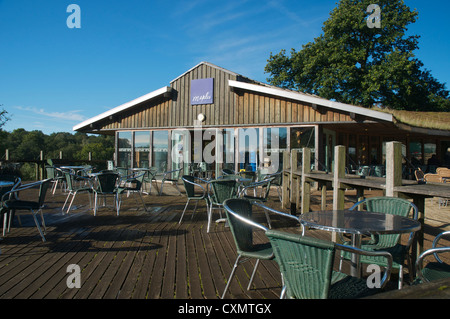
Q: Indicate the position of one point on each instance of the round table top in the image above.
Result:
(359, 222)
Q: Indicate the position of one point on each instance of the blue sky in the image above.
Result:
(53, 77)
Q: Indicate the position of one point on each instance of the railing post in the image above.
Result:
(306, 186)
(286, 179)
(294, 182)
(338, 173)
(393, 167)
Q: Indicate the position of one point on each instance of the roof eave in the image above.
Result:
(312, 100)
(123, 107)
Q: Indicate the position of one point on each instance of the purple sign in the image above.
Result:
(202, 91)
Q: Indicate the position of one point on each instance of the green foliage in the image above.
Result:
(25, 145)
(355, 64)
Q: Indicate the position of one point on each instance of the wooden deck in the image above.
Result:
(137, 255)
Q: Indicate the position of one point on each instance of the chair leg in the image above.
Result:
(236, 263)
(37, 225)
(142, 200)
(71, 202)
(176, 186)
(5, 222)
(283, 293)
(253, 274)
(65, 202)
(195, 208)
(400, 277)
(209, 217)
(161, 189)
(118, 202)
(95, 204)
(184, 210)
(268, 219)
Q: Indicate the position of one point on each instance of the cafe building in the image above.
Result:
(222, 119)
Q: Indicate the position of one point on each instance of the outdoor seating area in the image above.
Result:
(147, 247)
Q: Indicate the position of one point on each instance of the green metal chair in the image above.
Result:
(391, 242)
(15, 182)
(106, 186)
(433, 270)
(56, 175)
(260, 192)
(220, 190)
(132, 184)
(11, 203)
(190, 185)
(306, 265)
(172, 177)
(150, 178)
(240, 218)
(239, 214)
(74, 190)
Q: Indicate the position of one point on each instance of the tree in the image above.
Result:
(3, 117)
(361, 65)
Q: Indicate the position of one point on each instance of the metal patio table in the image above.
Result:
(358, 223)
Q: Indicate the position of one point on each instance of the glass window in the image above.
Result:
(160, 150)
(228, 149)
(302, 137)
(248, 148)
(142, 149)
(415, 153)
(274, 144)
(352, 161)
(124, 149)
(429, 155)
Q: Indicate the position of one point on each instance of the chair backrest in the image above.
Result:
(222, 189)
(189, 184)
(227, 171)
(136, 181)
(364, 171)
(69, 180)
(248, 174)
(123, 171)
(433, 178)
(266, 187)
(276, 178)
(45, 184)
(10, 178)
(50, 172)
(107, 182)
(389, 205)
(239, 214)
(306, 264)
(419, 174)
(443, 172)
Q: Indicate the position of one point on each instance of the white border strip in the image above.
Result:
(311, 99)
(123, 107)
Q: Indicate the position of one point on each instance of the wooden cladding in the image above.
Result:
(230, 107)
(265, 109)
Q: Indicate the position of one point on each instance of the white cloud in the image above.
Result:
(71, 116)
